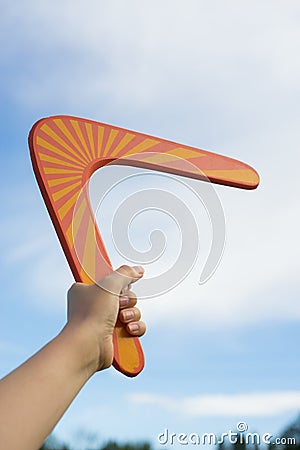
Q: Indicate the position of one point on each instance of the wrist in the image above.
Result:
(82, 347)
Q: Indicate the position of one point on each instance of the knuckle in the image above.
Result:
(73, 288)
(131, 295)
(137, 313)
(126, 270)
(142, 327)
(132, 301)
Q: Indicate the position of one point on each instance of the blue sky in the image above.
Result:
(223, 76)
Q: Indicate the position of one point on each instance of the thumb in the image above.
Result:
(121, 278)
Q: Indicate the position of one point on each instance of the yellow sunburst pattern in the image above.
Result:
(66, 151)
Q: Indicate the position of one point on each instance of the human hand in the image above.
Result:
(56, 373)
(93, 311)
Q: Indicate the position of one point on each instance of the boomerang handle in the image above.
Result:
(128, 352)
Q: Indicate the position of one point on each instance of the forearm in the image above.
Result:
(36, 394)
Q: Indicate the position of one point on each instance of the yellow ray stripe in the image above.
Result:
(100, 140)
(58, 181)
(62, 192)
(75, 223)
(158, 158)
(60, 162)
(46, 129)
(71, 138)
(89, 131)
(124, 141)
(68, 205)
(88, 263)
(81, 138)
(185, 153)
(110, 140)
(147, 143)
(244, 175)
(45, 144)
(55, 170)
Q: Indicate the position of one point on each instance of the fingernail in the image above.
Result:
(133, 327)
(138, 269)
(128, 315)
(123, 300)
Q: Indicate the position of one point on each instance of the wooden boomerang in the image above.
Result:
(66, 151)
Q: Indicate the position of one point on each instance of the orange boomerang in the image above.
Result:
(66, 151)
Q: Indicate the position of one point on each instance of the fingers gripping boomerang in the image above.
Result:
(66, 151)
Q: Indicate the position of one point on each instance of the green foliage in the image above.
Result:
(111, 445)
(240, 443)
(56, 447)
(290, 432)
(290, 440)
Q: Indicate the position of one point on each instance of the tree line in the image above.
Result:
(290, 440)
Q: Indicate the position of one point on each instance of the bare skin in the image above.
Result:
(35, 395)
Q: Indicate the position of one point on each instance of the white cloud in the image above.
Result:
(218, 74)
(256, 281)
(208, 59)
(241, 405)
(31, 253)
